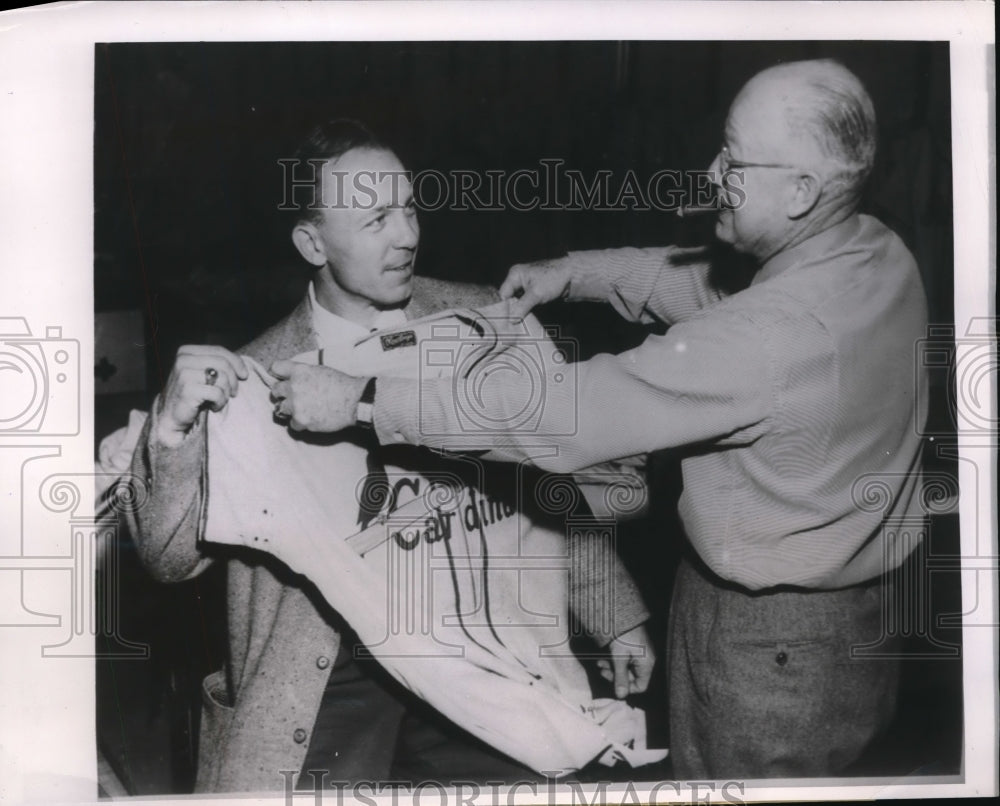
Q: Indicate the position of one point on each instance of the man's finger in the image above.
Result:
(242, 370)
(643, 670)
(213, 395)
(233, 361)
(282, 369)
(225, 375)
(280, 391)
(620, 661)
(227, 366)
(522, 306)
(194, 368)
(513, 283)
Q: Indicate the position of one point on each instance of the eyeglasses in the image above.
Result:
(727, 163)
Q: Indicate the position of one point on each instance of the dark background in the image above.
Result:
(187, 184)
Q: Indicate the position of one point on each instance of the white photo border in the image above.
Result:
(47, 726)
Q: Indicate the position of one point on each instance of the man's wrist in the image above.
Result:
(364, 414)
(587, 277)
(166, 430)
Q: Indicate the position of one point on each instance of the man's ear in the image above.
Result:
(306, 239)
(805, 194)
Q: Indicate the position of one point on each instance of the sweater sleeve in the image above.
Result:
(603, 596)
(165, 527)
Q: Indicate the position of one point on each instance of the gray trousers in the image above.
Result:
(764, 685)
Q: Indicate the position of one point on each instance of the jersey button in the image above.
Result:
(781, 658)
(299, 735)
(322, 662)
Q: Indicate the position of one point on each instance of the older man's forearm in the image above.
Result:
(701, 381)
(442, 414)
(659, 283)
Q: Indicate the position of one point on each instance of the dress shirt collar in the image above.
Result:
(333, 329)
(819, 244)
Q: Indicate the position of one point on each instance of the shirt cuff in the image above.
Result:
(398, 417)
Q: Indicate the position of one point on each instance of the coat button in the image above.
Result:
(299, 735)
(322, 662)
(781, 658)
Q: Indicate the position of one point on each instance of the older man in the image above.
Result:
(293, 696)
(790, 395)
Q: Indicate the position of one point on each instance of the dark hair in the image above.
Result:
(327, 141)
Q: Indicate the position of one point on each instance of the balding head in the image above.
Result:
(801, 139)
(828, 112)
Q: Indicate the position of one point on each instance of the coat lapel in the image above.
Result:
(292, 335)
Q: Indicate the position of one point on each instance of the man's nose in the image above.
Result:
(715, 168)
(407, 231)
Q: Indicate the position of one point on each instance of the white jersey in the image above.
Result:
(458, 594)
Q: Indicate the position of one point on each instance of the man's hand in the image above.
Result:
(201, 375)
(315, 398)
(537, 283)
(629, 663)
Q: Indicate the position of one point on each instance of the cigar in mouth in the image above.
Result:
(687, 210)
